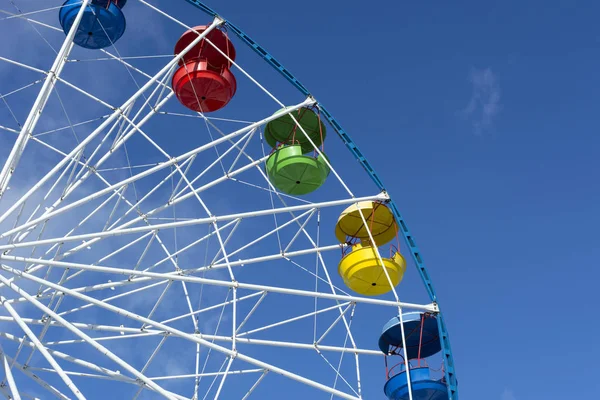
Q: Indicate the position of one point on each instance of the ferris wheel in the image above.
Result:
(181, 218)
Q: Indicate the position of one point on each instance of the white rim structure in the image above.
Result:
(144, 252)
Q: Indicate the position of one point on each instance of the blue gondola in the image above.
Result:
(428, 337)
(422, 341)
(102, 24)
(423, 386)
(104, 3)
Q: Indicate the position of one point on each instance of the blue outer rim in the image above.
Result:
(416, 254)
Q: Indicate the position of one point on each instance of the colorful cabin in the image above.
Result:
(292, 172)
(204, 51)
(285, 130)
(422, 341)
(380, 220)
(201, 89)
(102, 24)
(203, 82)
(361, 269)
(104, 3)
(420, 331)
(362, 272)
(423, 386)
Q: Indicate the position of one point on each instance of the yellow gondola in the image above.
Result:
(362, 271)
(379, 218)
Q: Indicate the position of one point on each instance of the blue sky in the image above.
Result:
(480, 120)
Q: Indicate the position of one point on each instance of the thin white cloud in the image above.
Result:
(484, 105)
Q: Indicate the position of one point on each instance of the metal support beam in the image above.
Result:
(189, 222)
(170, 330)
(9, 376)
(177, 276)
(103, 350)
(41, 348)
(40, 103)
(118, 113)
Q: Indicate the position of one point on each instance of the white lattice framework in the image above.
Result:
(144, 252)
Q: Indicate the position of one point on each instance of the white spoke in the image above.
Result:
(166, 328)
(198, 221)
(9, 164)
(36, 111)
(40, 347)
(9, 376)
(78, 332)
(177, 277)
(140, 175)
(38, 380)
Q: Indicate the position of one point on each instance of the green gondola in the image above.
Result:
(282, 129)
(292, 172)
